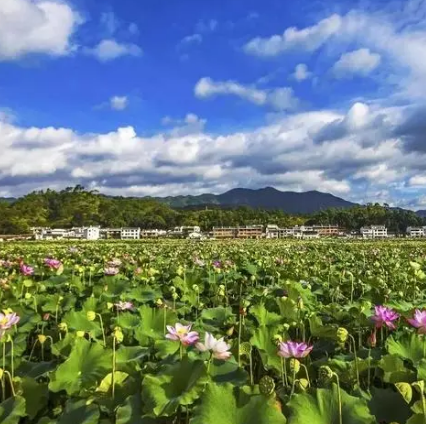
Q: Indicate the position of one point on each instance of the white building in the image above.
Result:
(153, 233)
(128, 233)
(91, 233)
(373, 232)
(416, 231)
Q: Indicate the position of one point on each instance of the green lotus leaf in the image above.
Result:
(387, 406)
(227, 372)
(263, 340)
(131, 411)
(226, 404)
(323, 407)
(12, 410)
(214, 319)
(405, 390)
(87, 364)
(179, 384)
(318, 329)
(143, 294)
(79, 412)
(78, 321)
(35, 369)
(35, 394)
(264, 317)
(416, 419)
(409, 346)
(129, 358)
(151, 324)
(394, 370)
(128, 320)
(106, 383)
(166, 348)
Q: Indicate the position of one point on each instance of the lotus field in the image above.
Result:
(173, 332)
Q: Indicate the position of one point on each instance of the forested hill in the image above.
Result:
(77, 207)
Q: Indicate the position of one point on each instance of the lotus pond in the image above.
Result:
(174, 332)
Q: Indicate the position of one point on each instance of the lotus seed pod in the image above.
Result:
(286, 326)
(173, 289)
(419, 386)
(41, 338)
(175, 296)
(28, 296)
(222, 287)
(302, 384)
(277, 339)
(41, 288)
(195, 287)
(342, 335)
(221, 293)
(80, 333)
(266, 385)
(63, 326)
(325, 373)
(110, 305)
(294, 365)
(293, 324)
(91, 315)
(405, 390)
(245, 349)
(201, 305)
(118, 334)
(159, 302)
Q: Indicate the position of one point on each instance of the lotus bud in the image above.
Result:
(266, 385)
(342, 335)
(80, 333)
(195, 288)
(325, 373)
(7, 311)
(63, 326)
(110, 305)
(302, 384)
(300, 303)
(159, 302)
(118, 334)
(286, 326)
(230, 331)
(41, 338)
(372, 340)
(91, 315)
(294, 365)
(252, 278)
(28, 296)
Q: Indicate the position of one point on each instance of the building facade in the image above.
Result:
(416, 232)
(91, 233)
(129, 233)
(374, 231)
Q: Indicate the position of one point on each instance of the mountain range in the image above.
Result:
(265, 198)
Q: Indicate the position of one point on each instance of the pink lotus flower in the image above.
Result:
(294, 349)
(110, 271)
(52, 263)
(124, 306)
(385, 316)
(419, 321)
(218, 348)
(114, 263)
(26, 269)
(199, 262)
(7, 321)
(182, 333)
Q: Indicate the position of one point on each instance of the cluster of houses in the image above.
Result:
(238, 232)
(123, 233)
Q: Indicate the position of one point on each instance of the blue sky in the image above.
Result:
(161, 97)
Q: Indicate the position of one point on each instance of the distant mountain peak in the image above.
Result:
(263, 198)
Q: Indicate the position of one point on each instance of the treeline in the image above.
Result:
(76, 206)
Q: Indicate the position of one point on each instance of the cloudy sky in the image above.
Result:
(161, 97)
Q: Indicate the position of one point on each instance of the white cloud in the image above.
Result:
(359, 62)
(110, 22)
(186, 159)
(110, 49)
(41, 27)
(119, 102)
(206, 25)
(301, 72)
(279, 98)
(192, 39)
(309, 39)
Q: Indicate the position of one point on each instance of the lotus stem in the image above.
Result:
(240, 324)
(251, 368)
(164, 319)
(113, 368)
(3, 378)
(12, 366)
(32, 350)
(356, 360)
(102, 328)
(369, 370)
(11, 382)
(293, 383)
(339, 398)
(284, 372)
(307, 374)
